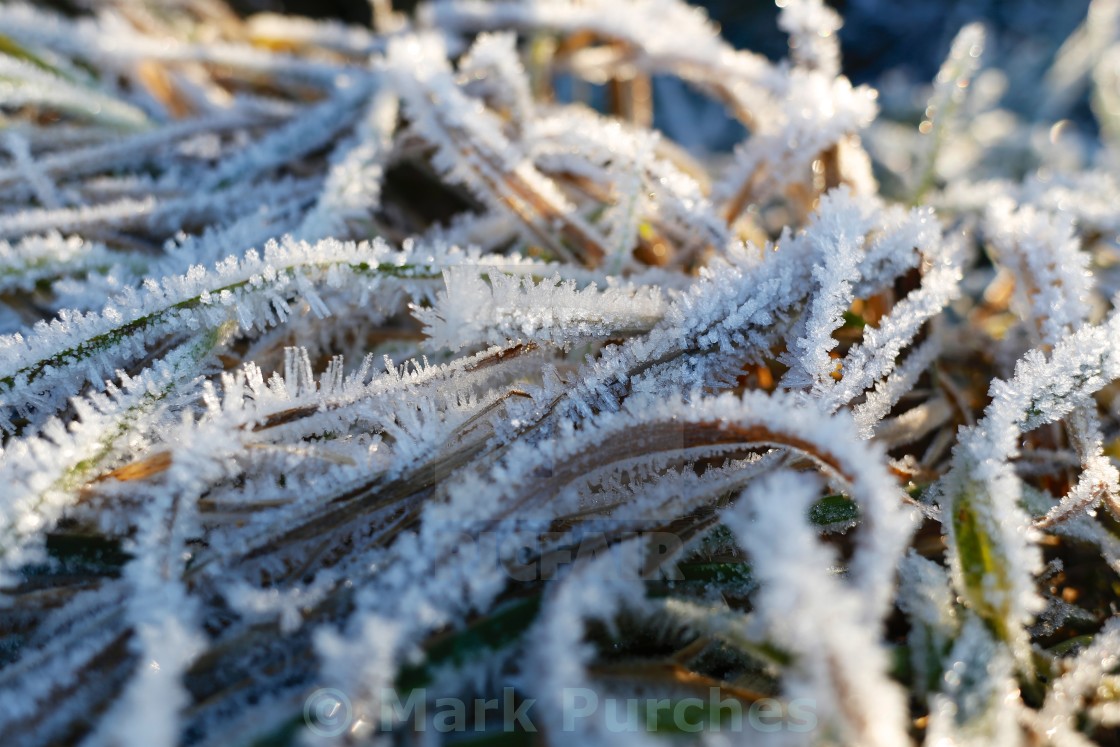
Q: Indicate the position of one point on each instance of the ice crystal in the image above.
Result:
(345, 372)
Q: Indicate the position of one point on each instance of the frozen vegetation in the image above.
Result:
(345, 371)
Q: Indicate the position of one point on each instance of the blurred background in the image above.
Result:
(878, 35)
(895, 46)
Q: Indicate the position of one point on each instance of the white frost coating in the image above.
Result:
(309, 131)
(1081, 680)
(496, 170)
(1053, 288)
(843, 223)
(755, 418)
(812, 28)
(595, 592)
(65, 219)
(875, 357)
(1053, 282)
(36, 258)
(816, 113)
(352, 189)
(255, 291)
(473, 311)
(165, 622)
(28, 84)
(977, 703)
(886, 394)
(926, 596)
(230, 477)
(836, 660)
(667, 34)
(45, 191)
(41, 473)
(492, 61)
(983, 492)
